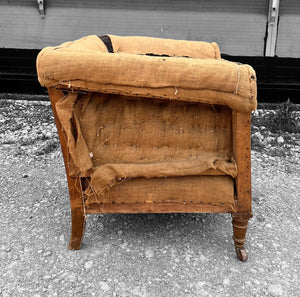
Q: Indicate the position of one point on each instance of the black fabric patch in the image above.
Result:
(156, 55)
(106, 40)
(164, 55)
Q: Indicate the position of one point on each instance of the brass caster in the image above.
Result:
(242, 254)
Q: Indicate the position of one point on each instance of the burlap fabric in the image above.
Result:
(86, 65)
(112, 138)
(127, 139)
(211, 190)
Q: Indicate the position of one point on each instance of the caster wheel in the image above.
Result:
(242, 254)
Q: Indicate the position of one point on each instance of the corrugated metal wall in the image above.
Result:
(288, 40)
(237, 26)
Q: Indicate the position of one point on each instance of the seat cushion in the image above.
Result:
(208, 190)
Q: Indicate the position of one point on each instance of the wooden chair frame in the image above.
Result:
(241, 127)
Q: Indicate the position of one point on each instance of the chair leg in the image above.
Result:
(78, 224)
(78, 214)
(240, 224)
(76, 200)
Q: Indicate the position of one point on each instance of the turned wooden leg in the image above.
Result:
(241, 132)
(240, 224)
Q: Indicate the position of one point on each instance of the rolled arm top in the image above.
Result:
(149, 67)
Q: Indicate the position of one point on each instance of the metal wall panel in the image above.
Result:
(288, 39)
(237, 26)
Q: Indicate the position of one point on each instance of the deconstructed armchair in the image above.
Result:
(152, 125)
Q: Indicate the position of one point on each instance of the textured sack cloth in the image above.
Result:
(193, 71)
(162, 47)
(112, 138)
(209, 190)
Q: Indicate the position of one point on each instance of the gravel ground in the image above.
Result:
(142, 254)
